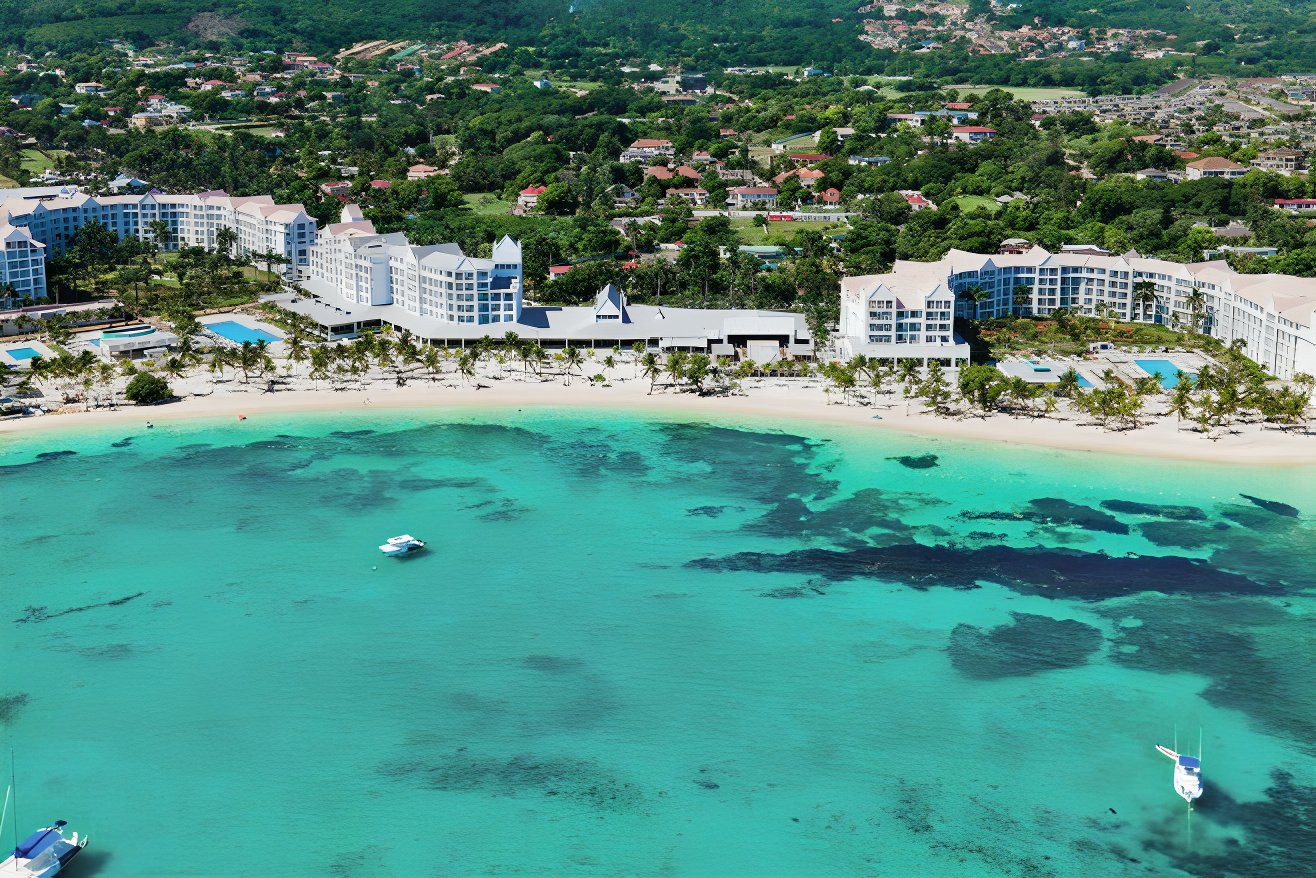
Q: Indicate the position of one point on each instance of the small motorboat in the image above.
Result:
(1187, 774)
(44, 853)
(398, 546)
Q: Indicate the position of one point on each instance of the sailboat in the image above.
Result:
(44, 853)
(1187, 771)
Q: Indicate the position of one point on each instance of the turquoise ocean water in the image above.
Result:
(649, 647)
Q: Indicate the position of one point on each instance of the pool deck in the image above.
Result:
(40, 347)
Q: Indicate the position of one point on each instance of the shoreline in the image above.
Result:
(777, 402)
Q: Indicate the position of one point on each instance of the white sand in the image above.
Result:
(766, 401)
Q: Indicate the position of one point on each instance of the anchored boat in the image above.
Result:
(44, 853)
(1187, 774)
(398, 546)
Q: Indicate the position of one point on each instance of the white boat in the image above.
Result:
(401, 545)
(44, 853)
(1187, 774)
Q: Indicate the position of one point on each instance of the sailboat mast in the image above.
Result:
(13, 784)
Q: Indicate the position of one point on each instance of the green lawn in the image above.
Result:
(969, 203)
(1021, 93)
(779, 232)
(34, 161)
(487, 204)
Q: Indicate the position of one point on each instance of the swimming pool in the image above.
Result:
(23, 353)
(1169, 372)
(1083, 382)
(127, 332)
(240, 332)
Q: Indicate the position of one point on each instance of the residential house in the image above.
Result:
(1295, 205)
(90, 88)
(752, 197)
(829, 197)
(645, 148)
(487, 87)
(1214, 166)
(420, 172)
(972, 133)
(336, 188)
(528, 199)
(1282, 160)
(916, 200)
(695, 195)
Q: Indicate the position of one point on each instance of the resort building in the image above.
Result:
(22, 266)
(193, 220)
(360, 280)
(351, 265)
(1272, 314)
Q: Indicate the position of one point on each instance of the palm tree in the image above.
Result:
(296, 349)
(466, 365)
(1144, 297)
(650, 368)
(271, 259)
(676, 366)
(538, 357)
(875, 377)
(571, 360)
(1022, 295)
(638, 350)
(1181, 399)
(320, 359)
(432, 360)
(1196, 301)
(977, 295)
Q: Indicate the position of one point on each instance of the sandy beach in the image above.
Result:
(767, 402)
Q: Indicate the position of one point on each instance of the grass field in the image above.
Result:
(779, 232)
(487, 204)
(6, 183)
(970, 203)
(1020, 92)
(34, 162)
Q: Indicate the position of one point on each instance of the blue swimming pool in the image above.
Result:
(238, 332)
(1083, 382)
(23, 353)
(1169, 372)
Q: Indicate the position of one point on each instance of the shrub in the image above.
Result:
(147, 389)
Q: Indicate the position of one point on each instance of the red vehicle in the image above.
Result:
(781, 218)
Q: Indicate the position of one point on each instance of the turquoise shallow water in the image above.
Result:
(645, 647)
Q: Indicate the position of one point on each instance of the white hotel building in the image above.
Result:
(902, 313)
(22, 264)
(194, 220)
(352, 267)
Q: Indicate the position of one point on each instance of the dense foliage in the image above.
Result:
(147, 389)
(708, 34)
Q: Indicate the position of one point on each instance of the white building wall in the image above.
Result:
(1233, 306)
(193, 220)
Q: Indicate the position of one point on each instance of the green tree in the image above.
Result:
(147, 389)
